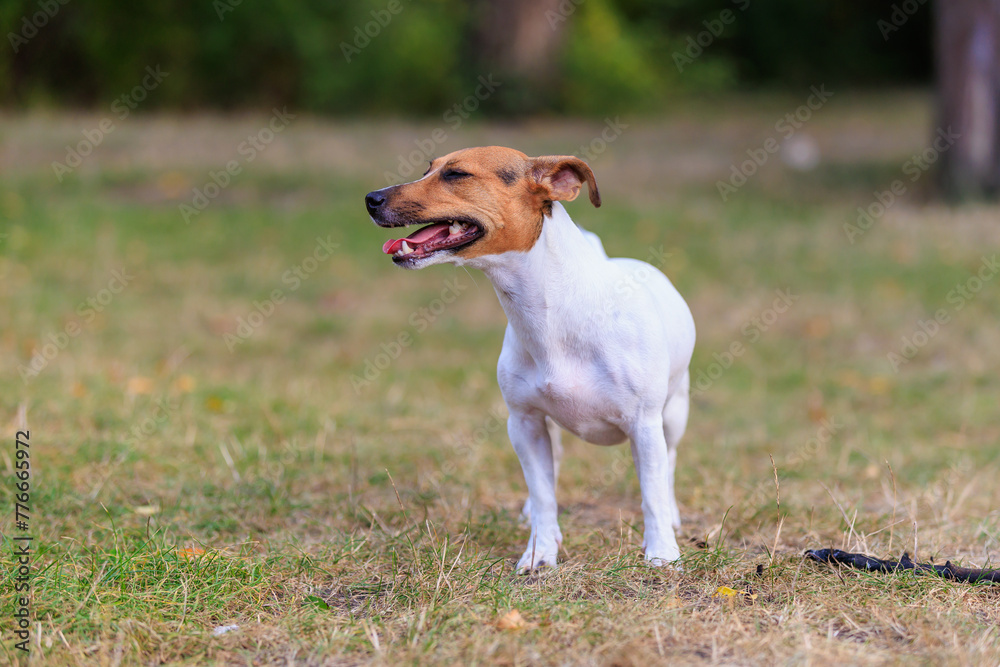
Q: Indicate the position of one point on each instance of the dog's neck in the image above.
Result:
(547, 291)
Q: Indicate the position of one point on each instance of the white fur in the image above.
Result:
(601, 347)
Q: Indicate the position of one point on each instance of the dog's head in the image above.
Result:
(477, 202)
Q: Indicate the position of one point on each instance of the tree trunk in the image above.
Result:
(967, 34)
(519, 40)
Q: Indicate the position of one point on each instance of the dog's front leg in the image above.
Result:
(652, 465)
(555, 437)
(533, 445)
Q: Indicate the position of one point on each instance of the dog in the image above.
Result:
(598, 346)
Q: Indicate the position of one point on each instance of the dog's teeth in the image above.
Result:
(405, 249)
(456, 228)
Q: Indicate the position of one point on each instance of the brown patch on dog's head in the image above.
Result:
(507, 175)
(501, 191)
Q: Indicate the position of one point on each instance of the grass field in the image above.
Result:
(258, 421)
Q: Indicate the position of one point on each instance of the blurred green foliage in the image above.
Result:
(422, 57)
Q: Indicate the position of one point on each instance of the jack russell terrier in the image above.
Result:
(598, 346)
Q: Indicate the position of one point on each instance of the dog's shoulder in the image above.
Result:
(594, 240)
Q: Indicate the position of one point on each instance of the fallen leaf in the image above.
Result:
(139, 385)
(879, 385)
(184, 384)
(318, 602)
(731, 594)
(815, 409)
(172, 184)
(849, 378)
(817, 327)
(512, 620)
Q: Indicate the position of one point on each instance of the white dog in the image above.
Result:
(598, 346)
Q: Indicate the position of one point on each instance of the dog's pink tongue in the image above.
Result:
(416, 238)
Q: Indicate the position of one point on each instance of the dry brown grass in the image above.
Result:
(264, 497)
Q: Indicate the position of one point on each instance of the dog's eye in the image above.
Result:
(454, 174)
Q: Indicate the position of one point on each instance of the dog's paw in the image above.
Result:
(674, 565)
(534, 560)
(663, 553)
(539, 553)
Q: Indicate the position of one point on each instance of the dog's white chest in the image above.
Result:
(576, 392)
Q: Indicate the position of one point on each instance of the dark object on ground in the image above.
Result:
(862, 562)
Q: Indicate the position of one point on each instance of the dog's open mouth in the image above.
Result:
(446, 235)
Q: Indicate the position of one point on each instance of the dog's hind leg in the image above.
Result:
(675, 416)
(555, 435)
(651, 458)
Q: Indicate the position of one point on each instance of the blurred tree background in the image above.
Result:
(395, 57)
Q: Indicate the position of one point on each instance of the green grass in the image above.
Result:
(336, 526)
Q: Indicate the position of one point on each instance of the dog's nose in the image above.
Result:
(374, 201)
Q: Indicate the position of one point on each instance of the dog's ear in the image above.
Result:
(560, 177)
